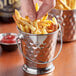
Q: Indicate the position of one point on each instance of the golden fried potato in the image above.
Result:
(42, 26)
(66, 4)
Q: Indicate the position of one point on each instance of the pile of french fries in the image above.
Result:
(66, 4)
(42, 26)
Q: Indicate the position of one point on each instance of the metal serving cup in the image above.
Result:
(67, 19)
(38, 51)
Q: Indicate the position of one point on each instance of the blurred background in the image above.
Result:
(11, 62)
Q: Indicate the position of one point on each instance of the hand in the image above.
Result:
(46, 7)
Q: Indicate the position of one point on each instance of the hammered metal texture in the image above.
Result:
(67, 19)
(39, 48)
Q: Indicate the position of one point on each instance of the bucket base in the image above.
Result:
(39, 71)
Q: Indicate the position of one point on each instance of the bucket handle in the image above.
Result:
(20, 37)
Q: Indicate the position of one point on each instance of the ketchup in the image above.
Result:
(9, 39)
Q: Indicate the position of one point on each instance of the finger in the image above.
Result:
(46, 7)
(29, 9)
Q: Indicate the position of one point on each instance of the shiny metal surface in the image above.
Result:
(38, 50)
(38, 71)
(67, 19)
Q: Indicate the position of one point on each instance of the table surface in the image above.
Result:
(11, 62)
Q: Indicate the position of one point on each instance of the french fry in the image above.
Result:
(49, 31)
(16, 22)
(35, 24)
(29, 25)
(67, 2)
(42, 26)
(44, 31)
(61, 7)
(18, 16)
(37, 28)
(44, 17)
(47, 21)
(73, 4)
(37, 32)
(64, 1)
(54, 20)
(22, 28)
(70, 3)
(26, 17)
(27, 29)
(65, 6)
(23, 21)
(37, 7)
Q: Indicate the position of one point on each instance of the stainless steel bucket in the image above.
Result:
(38, 51)
(67, 19)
